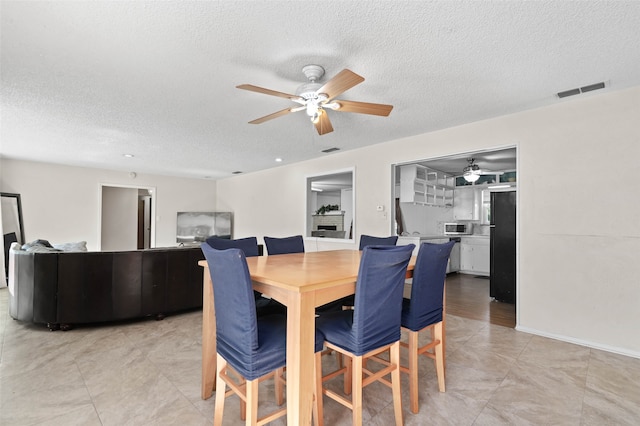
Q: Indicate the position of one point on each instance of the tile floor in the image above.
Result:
(148, 373)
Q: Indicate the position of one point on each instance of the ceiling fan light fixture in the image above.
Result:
(471, 173)
(471, 176)
(313, 111)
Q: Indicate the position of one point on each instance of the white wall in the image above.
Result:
(425, 220)
(578, 263)
(62, 204)
(330, 198)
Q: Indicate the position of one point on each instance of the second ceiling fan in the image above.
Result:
(315, 98)
(472, 172)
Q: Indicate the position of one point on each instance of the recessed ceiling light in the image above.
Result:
(278, 160)
(128, 155)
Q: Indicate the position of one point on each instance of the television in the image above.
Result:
(196, 227)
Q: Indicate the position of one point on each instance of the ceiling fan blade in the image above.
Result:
(257, 89)
(271, 116)
(342, 82)
(324, 124)
(364, 108)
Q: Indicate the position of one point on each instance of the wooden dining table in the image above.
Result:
(302, 282)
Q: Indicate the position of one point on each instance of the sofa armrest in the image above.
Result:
(33, 286)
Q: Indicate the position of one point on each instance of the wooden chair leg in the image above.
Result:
(347, 375)
(318, 406)
(247, 392)
(243, 409)
(220, 391)
(394, 358)
(279, 385)
(443, 340)
(252, 402)
(413, 371)
(356, 387)
(439, 355)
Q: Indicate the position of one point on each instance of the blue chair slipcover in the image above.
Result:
(425, 306)
(285, 245)
(365, 240)
(368, 240)
(248, 245)
(375, 319)
(425, 311)
(253, 346)
(373, 326)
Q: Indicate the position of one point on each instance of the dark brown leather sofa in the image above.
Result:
(65, 288)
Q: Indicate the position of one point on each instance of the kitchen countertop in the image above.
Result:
(425, 237)
(440, 237)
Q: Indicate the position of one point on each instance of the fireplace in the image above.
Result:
(328, 222)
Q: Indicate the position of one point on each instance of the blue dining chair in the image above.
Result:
(254, 347)
(368, 240)
(372, 327)
(249, 245)
(294, 244)
(365, 240)
(425, 311)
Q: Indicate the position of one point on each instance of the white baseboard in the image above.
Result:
(589, 344)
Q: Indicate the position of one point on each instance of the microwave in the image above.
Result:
(458, 228)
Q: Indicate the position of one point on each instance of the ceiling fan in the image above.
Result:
(472, 172)
(315, 98)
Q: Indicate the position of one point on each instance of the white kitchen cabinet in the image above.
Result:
(421, 185)
(466, 204)
(485, 207)
(474, 255)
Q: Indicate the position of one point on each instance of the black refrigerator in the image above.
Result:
(503, 246)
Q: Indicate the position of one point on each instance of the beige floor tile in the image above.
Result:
(148, 373)
(550, 353)
(534, 394)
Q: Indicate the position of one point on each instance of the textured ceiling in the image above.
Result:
(85, 82)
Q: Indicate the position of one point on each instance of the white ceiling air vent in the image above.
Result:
(583, 89)
(328, 150)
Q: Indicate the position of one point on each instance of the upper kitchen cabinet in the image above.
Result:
(467, 204)
(421, 185)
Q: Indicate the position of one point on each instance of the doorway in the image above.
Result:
(431, 192)
(127, 217)
(144, 219)
(467, 298)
